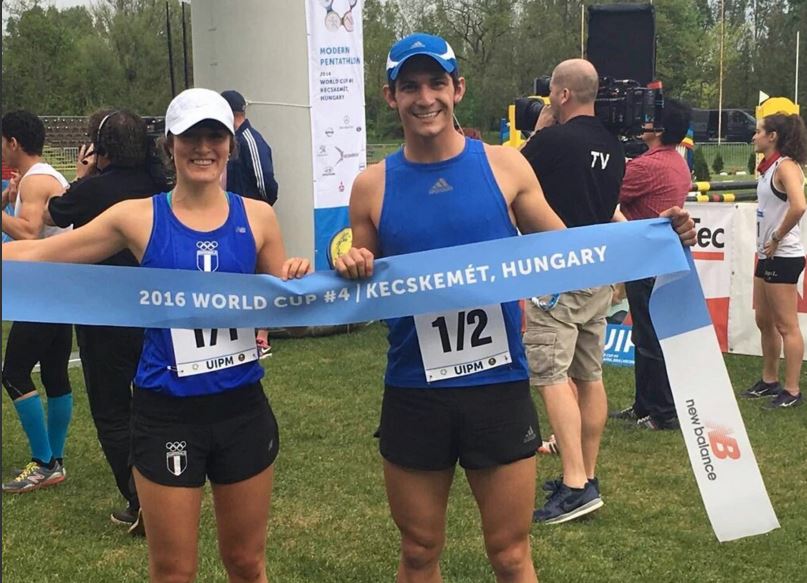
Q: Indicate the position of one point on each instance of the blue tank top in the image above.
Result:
(444, 204)
(229, 248)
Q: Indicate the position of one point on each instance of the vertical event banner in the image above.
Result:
(338, 132)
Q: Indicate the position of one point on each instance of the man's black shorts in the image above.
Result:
(780, 269)
(482, 427)
(228, 437)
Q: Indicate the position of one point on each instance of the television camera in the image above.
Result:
(623, 105)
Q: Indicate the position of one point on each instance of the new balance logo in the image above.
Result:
(530, 435)
(440, 186)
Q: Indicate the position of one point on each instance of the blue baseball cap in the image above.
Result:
(420, 44)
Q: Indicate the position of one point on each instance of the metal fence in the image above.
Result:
(735, 155)
(63, 159)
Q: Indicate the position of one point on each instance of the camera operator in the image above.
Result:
(656, 180)
(121, 163)
(580, 165)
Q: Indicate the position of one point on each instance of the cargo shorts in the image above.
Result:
(565, 338)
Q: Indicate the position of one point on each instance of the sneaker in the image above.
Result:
(34, 476)
(627, 414)
(549, 447)
(17, 471)
(762, 389)
(783, 400)
(552, 485)
(658, 424)
(565, 504)
(138, 528)
(126, 516)
(264, 352)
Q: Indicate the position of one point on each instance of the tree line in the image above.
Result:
(71, 61)
(76, 60)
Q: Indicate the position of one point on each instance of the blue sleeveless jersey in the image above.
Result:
(429, 206)
(172, 245)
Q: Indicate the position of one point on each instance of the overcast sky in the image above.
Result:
(66, 3)
(57, 3)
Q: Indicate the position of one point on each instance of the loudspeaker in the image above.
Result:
(622, 41)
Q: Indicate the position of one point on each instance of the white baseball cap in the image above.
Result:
(195, 105)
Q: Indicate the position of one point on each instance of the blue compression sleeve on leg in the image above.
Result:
(32, 418)
(60, 411)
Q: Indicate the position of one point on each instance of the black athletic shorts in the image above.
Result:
(482, 427)
(179, 441)
(779, 269)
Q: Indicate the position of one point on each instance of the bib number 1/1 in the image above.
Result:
(206, 350)
(455, 344)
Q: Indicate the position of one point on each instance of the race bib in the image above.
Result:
(455, 344)
(206, 350)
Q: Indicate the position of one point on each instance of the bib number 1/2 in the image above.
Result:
(454, 344)
(477, 318)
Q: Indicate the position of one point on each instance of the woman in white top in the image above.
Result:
(782, 140)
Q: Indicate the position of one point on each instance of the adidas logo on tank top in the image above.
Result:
(441, 185)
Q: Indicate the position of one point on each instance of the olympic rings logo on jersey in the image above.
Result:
(175, 445)
(207, 255)
(207, 245)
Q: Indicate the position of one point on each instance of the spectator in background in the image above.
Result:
(656, 180)
(30, 342)
(121, 163)
(580, 165)
(782, 140)
(249, 171)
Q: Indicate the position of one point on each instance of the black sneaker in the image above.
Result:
(762, 389)
(138, 528)
(783, 400)
(658, 424)
(124, 516)
(628, 414)
(552, 485)
(565, 504)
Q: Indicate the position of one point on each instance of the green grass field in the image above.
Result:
(329, 517)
